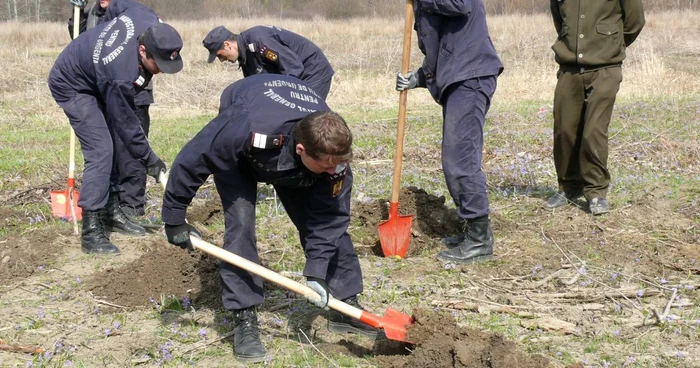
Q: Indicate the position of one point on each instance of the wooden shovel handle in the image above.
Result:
(265, 273)
(71, 152)
(405, 63)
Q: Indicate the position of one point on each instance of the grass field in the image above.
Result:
(613, 291)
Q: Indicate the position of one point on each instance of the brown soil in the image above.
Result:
(432, 220)
(22, 255)
(439, 342)
(163, 270)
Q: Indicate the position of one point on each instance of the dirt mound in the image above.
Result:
(162, 271)
(432, 219)
(439, 342)
(23, 255)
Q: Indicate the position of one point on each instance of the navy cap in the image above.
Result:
(164, 43)
(215, 41)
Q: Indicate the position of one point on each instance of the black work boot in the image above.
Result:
(562, 198)
(95, 239)
(117, 220)
(339, 323)
(452, 241)
(477, 245)
(247, 346)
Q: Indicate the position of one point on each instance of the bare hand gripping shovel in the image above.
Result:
(394, 323)
(394, 233)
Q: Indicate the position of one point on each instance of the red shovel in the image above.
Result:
(395, 233)
(394, 323)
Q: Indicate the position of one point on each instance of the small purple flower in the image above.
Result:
(558, 354)
(78, 280)
(680, 355)
(582, 270)
(618, 307)
(613, 276)
(536, 269)
(606, 364)
(224, 321)
(29, 364)
(116, 325)
(67, 363)
(41, 314)
(174, 327)
(186, 302)
(203, 333)
(663, 281)
(690, 287)
(616, 333)
(640, 293)
(107, 332)
(277, 322)
(41, 268)
(637, 260)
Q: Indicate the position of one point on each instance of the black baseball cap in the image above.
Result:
(164, 43)
(215, 41)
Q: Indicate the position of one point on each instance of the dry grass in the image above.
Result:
(366, 54)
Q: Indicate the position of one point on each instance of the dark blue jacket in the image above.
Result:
(104, 62)
(454, 37)
(270, 105)
(96, 15)
(268, 49)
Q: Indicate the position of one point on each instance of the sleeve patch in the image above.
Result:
(269, 54)
(337, 187)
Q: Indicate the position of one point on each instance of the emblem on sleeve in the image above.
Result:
(269, 54)
(337, 187)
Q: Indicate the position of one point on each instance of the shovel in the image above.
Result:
(394, 233)
(64, 203)
(394, 323)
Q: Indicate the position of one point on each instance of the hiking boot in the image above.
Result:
(562, 198)
(342, 324)
(117, 220)
(598, 206)
(477, 245)
(94, 239)
(247, 346)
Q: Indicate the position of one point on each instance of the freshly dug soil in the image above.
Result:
(439, 342)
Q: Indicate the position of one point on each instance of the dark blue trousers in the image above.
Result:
(132, 172)
(86, 115)
(241, 289)
(465, 105)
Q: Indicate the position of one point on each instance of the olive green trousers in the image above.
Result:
(583, 104)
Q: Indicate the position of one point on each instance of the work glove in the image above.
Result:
(409, 81)
(319, 286)
(79, 3)
(180, 235)
(155, 169)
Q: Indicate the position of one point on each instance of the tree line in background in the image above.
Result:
(58, 10)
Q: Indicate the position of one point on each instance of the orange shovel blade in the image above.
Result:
(395, 324)
(395, 233)
(61, 202)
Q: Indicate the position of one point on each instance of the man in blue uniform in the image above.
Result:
(132, 172)
(95, 80)
(460, 70)
(272, 129)
(268, 49)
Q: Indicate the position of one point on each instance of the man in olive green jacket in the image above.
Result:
(593, 36)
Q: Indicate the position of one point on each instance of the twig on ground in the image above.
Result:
(474, 307)
(546, 279)
(278, 307)
(104, 302)
(572, 280)
(668, 305)
(315, 348)
(21, 348)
